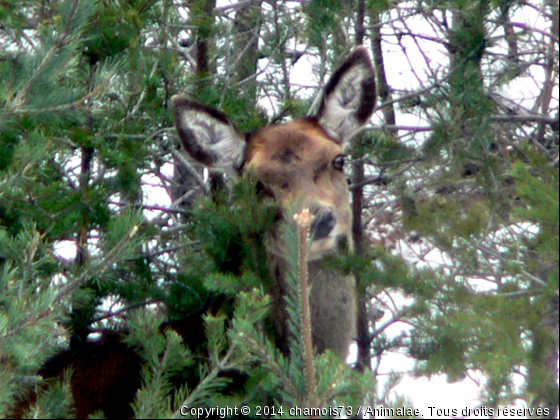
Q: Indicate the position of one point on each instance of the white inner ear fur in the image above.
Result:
(339, 114)
(216, 138)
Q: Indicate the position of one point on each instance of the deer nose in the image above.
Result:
(323, 224)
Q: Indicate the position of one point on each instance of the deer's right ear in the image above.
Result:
(208, 135)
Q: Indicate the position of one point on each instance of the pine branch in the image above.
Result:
(83, 101)
(273, 361)
(209, 382)
(303, 220)
(73, 23)
(99, 268)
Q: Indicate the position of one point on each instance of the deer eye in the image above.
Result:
(338, 162)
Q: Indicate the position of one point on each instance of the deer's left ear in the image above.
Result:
(349, 97)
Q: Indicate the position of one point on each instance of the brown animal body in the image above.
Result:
(301, 165)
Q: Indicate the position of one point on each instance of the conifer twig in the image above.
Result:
(303, 220)
(207, 383)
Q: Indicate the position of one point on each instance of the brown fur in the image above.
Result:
(105, 377)
(294, 162)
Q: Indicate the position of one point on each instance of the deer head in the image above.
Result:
(300, 163)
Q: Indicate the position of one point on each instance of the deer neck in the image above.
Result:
(332, 302)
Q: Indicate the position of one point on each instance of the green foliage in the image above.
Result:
(537, 187)
(437, 218)
(114, 28)
(164, 355)
(538, 190)
(28, 311)
(378, 6)
(234, 229)
(55, 402)
(324, 20)
(385, 149)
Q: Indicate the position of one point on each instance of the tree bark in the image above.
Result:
(358, 176)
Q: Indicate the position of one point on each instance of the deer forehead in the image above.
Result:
(301, 144)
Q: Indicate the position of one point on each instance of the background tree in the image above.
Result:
(455, 189)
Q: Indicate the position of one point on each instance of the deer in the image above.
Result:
(300, 164)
